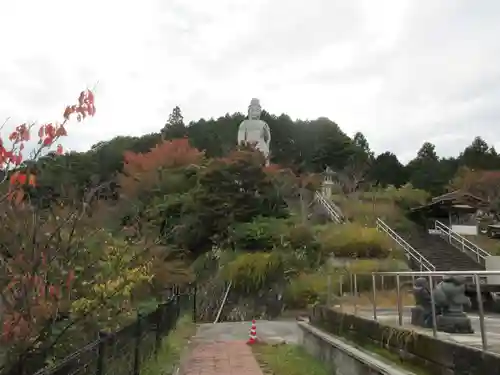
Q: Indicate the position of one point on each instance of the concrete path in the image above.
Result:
(221, 348)
(268, 331)
(221, 358)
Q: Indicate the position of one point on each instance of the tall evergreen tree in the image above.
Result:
(480, 156)
(174, 128)
(425, 170)
(387, 170)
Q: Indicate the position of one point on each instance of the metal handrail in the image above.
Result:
(478, 253)
(435, 273)
(223, 302)
(410, 251)
(334, 215)
(432, 277)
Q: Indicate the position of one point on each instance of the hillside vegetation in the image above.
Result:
(90, 239)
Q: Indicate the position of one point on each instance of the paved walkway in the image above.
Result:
(222, 358)
(221, 348)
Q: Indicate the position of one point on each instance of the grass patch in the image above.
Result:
(390, 357)
(286, 359)
(491, 245)
(171, 349)
(385, 299)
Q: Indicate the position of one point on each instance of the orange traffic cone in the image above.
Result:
(253, 334)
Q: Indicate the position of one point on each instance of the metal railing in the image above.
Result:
(432, 277)
(332, 210)
(124, 351)
(422, 262)
(461, 243)
(223, 302)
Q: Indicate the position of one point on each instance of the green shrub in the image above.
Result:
(306, 290)
(408, 197)
(302, 236)
(354, 241)
(364, 267)
(251, 272)
(261, 234)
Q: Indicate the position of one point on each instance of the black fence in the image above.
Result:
(123, 352)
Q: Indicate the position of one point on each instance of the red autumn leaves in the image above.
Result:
(141, 171)
(38, 285)
(48, 133)
(30, 296)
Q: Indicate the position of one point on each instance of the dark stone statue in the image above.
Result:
(449, 298)
(421, 314)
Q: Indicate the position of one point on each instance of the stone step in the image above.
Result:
(440, 253)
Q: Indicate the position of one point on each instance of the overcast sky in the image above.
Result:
(401, 71)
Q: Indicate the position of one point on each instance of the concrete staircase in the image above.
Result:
(440, 253)
(331, 209)
(461, 243)
(416, 260)
(444, 250)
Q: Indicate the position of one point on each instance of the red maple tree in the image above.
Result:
(141, 170)
(35, 286)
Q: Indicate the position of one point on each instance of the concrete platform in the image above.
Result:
(390, 316)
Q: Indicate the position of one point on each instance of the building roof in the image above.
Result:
(458, 196)
(456, 199)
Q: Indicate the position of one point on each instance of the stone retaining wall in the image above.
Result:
(342, 357)
(436, 356)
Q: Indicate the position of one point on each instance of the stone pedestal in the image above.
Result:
(417, 316)
(454, 323)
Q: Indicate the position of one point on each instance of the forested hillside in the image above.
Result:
(303, 146)
(91, 239)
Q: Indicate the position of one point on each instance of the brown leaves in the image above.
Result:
(483, 184)
(30, 296)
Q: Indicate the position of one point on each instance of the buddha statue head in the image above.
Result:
(254, 109)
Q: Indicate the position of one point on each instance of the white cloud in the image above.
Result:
(400, 71)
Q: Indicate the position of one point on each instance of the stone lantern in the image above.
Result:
(328, 183)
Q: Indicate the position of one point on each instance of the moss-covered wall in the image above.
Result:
(436, 356)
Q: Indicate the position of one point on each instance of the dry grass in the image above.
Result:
(491, 245)
(364, 212)
(385, 299)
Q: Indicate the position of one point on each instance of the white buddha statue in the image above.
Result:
(254, 131)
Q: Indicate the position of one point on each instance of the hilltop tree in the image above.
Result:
(360, 141)
(225, 191)
(174, 128)
(478, 155)
(358, 165)
(323, 144)
(216, 138)
(284, 134)
(387, 170)
(146, 173)
(425, 170)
